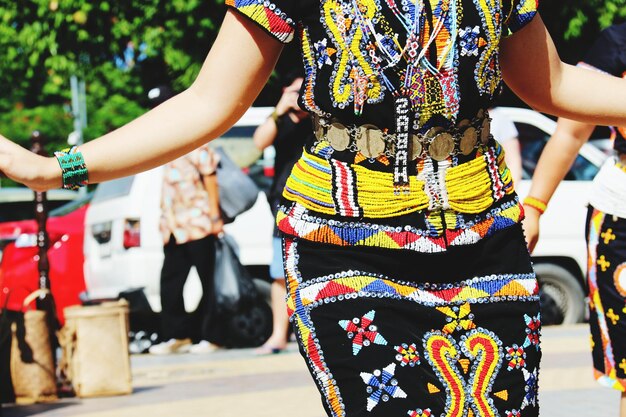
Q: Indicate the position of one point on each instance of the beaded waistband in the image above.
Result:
(333, 187)
(436, 143)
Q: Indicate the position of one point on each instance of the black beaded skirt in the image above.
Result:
(606, 245)
(394, 333)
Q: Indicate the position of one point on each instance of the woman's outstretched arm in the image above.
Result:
(236, 69)
(533, 70)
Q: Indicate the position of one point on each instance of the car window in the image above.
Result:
(23, 210)
(113, 189)
(238, 145)
(533, 140)
(71, 206)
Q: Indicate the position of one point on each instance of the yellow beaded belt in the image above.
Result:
(333, 187)
(436, 143)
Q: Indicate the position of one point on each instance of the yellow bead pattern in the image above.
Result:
(470, 187)
(347, 35)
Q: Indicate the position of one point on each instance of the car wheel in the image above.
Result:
(560, 295)
(251, 326)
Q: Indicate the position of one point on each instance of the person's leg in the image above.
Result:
(202, 253)
(622, 405)
(280, 321)
(176, 267)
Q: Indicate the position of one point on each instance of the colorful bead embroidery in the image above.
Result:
(487, 73)
(524, 11)
(459, 318)
(420, 413)
(466, 363)
(533, 326)
(268, 16)
(382, 386)
(483, 350)
(607, 376)
(531, 388)
(516, 357)
(407, 355)
(334, 187)
(434, 238)
(362, 332)
(494, 288)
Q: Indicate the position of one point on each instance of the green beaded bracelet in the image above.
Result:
(73, 167)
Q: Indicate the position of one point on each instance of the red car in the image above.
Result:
(19, 273)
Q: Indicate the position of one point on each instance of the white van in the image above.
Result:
(123, 245)
(560, 258)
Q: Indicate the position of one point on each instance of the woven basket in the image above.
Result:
(32, 364)
(95, 349)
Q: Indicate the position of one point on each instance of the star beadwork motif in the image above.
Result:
(459, 318)
(531, 388)
(362, 332)
(382, 386)
(516, 356)
(407, 354)
(533, 326)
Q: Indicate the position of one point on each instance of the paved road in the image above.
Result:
(236, 383)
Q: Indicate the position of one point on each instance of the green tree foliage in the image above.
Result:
(120, 48)
(575, 24)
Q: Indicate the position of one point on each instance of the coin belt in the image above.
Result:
(436, 143)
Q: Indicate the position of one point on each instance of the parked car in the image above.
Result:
(560, 258)
(16, 203)
(19, 274)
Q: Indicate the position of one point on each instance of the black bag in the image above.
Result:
(234, 287)
(243, 313)
(237, 191)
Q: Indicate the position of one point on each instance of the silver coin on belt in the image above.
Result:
(436, 142)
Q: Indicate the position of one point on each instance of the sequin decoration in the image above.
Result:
(420, 413)
(362, 332)
(407, 355)
(352, 65)
(487, 73)
(516, 356)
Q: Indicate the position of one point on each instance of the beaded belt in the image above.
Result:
(332, 187)
(435, 143)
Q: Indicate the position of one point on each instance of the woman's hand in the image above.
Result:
(36, 172)
(531, 228)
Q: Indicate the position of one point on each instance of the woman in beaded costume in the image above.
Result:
(409, 283)
(606, 219)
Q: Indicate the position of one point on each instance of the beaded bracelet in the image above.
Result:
(73, 167)
(537, 204)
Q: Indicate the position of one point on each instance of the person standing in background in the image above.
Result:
(288, 128)
(606, 219)
(504, 131)
(190, 220)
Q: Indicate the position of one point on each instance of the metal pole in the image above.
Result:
(41, 215)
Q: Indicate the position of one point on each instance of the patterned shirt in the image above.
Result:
(442, 58)
(185, 200)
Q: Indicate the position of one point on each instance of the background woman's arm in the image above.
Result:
(554, 163)
(533, 70)
(235, 71)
